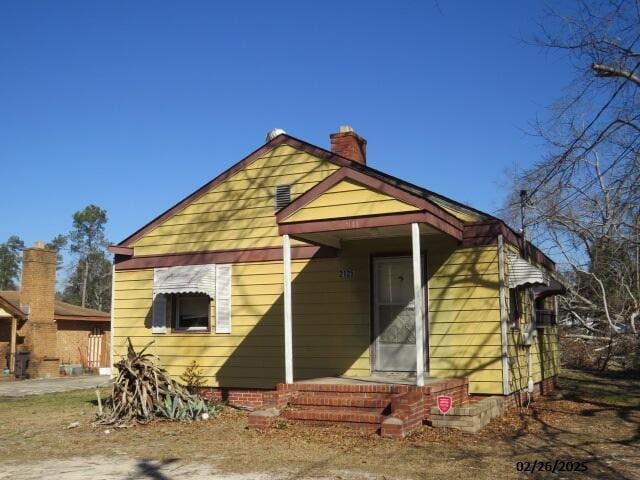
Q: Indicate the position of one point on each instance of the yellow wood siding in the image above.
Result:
(545, 354)
(239, 212)
(348, 199)
(465, 217)
(331, 325)
(331, 315)
(464, 314)
(331, 318)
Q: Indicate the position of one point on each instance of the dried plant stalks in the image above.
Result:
(143, 391)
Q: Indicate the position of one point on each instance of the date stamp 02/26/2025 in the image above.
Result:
(554, 466)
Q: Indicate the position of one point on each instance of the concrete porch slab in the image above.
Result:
(374, 379)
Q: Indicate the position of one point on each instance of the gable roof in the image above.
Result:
(321, 153)
(10, 300)
(490, 225)
(433, 213)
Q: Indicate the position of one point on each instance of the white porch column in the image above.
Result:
(418, 302)
(288, 331)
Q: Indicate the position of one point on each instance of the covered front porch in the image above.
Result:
(353, 214)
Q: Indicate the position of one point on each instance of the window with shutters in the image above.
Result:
(283, 196)
(191, 310)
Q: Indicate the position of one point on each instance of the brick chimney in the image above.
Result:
(349, 144)
(37, 298)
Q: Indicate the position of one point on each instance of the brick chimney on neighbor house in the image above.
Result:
(349, 144)
(37, 299)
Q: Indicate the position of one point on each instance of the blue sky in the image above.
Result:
(133, 105)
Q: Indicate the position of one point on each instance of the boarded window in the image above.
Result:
(223, 298)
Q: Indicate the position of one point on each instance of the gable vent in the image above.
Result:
(283, 196)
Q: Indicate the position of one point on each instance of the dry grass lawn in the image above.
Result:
(596, 419)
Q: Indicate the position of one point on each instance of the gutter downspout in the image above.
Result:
(504, 317)
(532, 334)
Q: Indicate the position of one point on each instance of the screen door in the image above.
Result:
(394, 315)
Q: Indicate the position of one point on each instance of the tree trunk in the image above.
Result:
(85, 281)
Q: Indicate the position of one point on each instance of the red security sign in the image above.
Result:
(444, 403)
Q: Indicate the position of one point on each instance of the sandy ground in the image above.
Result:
(595, 419)
(97, 467)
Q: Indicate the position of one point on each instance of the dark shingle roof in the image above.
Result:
(62, 310)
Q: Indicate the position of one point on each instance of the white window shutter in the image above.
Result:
(223, 298)
(159, 314)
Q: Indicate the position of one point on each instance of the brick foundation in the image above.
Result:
(456, 388)
(520, 398)
(246, 398)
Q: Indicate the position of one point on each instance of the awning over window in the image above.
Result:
(522, 273)
(554, 288)
(185, 279)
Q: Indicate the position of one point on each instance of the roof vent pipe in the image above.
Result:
(274, 133)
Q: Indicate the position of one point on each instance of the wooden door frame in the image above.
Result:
(425, 312)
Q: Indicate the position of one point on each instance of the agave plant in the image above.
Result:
(142, 391)
(176, 409)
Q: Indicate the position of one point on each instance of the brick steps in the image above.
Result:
(392, 409)
(331, 423)
(351, 401)
(344, 388)
(345, 415)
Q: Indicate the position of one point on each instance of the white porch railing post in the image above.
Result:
(288, 330)
(418, 302)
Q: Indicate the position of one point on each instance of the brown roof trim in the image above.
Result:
(486, 233)
(369, 221)
(82, 318)
(253, 156)
(224, 256)
(11, 308)
(367, 171)
(118, 250)
(437, 216)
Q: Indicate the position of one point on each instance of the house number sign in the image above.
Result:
(345, 274)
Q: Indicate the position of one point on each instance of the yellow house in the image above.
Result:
(301, 263)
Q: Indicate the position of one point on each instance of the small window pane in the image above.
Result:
(514, 309)
(192, 312)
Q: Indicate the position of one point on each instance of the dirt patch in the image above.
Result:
(596, 420)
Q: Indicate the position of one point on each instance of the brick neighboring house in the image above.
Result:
(51, 331)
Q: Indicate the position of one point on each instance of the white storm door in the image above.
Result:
(394, 315)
